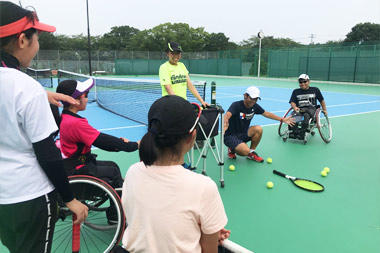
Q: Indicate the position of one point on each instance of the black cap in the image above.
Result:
(171, 115)
(174, 47)
(10, 12)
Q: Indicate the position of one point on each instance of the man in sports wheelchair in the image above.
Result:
(305, 110)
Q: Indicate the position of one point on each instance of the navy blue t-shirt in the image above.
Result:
(241, 117)
(305, 98)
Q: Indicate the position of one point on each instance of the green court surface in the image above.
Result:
(285, 219)
(343, 218)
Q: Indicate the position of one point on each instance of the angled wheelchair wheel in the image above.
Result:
(283, 128)
(324, 126)
(104, 226)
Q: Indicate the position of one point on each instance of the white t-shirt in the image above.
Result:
(25, 118)
(167, 208)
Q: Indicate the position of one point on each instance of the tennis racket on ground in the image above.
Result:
(304, 184)
(76, 236)
(231, 247)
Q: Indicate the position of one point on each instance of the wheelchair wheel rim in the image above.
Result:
(96, 234)
(324, 127)
(283, 130)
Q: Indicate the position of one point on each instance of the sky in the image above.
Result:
(303, 21)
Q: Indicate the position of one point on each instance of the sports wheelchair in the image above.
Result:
(97, 233)
(298, 132)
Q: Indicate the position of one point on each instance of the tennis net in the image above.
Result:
(128, 97)
(43, 76)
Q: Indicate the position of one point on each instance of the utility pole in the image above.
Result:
(260, 35)
(88, 40)
(312, 36)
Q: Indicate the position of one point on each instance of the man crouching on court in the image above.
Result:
(237, 125)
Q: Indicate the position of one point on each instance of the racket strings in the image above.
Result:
(308, 185)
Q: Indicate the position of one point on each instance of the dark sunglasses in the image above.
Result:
(302, 81)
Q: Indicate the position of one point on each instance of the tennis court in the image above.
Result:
(343, 218)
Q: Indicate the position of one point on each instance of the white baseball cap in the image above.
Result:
(253, 92)
(304, 76)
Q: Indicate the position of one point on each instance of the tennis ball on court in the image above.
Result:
(232, 167)
(269, 185)
(269, 160)
(323, 173)
(327, 169)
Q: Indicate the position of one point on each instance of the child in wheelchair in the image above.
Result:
(304, 104)
(77, 136)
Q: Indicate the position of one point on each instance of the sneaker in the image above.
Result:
(231, 154)
(254, 156)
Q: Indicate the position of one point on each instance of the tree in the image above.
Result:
(118, 38)
(156, 39)
(48, 41)
(218, 41)
(268, 42)
(364, 32)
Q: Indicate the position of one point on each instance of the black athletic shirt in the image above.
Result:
(241, 117)
(305, 98)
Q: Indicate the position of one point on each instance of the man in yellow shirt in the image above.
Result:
(174, 76)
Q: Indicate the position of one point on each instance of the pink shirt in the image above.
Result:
(167, 208)
(75, 129)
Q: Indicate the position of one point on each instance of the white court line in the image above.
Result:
(116, 128)
(352, 114)
(358, 103)
(266, 125)
(290, 79)
(338, 116)
(330, 106)
(283, 111)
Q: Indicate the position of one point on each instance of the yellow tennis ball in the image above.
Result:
(269, 185)
(327, 169)
(323, 173)
(269, 160)
(232, 167)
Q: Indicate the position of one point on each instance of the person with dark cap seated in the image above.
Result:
(31, 169)
(77, 136)
(169, 209)
(174, 76)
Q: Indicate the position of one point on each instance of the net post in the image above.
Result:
(213, 93)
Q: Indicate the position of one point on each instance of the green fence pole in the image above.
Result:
(356, 62)
(307, 60)
(329, 69)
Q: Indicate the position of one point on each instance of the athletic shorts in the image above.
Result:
(232, 141)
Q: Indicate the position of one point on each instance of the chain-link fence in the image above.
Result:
(354, 63)
(358, 63)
